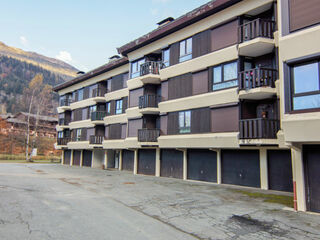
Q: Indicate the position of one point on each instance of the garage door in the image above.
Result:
(127, 160)
(147, 161)
(76, 157)
(67, 157)
(240, 167)
(280, 170)
(311, 156)
(202, 165)
(87, 158)
(171, 163)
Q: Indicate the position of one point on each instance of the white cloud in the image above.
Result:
(64, 56)
(23, 40)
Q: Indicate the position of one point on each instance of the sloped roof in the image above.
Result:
(41, 117)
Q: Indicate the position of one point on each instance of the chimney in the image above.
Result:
(165, 21)
(80, 73)
(114, 58)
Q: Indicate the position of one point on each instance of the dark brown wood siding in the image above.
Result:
(134, 97)
(124, 104)
(180, 86)
(225, 119)
(115, 131)
(200, 120)
(201, 44)
(224, 36)
(173, 124)
(200, 82)
(117, 82)
(174, 53)
(303, 13)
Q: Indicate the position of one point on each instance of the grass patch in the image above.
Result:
(270, 198)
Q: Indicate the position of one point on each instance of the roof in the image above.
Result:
(102, 69)
(6, 116)
(41, 117)
(189, 18)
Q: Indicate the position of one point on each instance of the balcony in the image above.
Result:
(97, 117)
(98, 95)
(148, 104)
(63, 141)
(149, 72)
(64, 105)
(259, 128)
(257, 83)
(96, 140)
(255, 38)
(148, 135)
(64, 123)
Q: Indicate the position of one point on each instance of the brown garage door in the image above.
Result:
(311, 156)
(171, 163)
(241, 167)
(76, 157)
(87, 158)
(67, 157)
(127, 160)
(280, 170)
(147, 161)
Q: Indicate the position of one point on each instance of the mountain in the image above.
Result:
(18, 67)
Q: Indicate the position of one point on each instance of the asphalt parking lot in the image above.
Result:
(62, 202)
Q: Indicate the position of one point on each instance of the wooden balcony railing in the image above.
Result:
(256, 28)
(98, 115)
(64, 122)
(150, 67)
(147, 101)
(148, 135)
(65, 102)
(98, 92)
(259, 128)
(63, 141)
(257, 77)
(96, 139)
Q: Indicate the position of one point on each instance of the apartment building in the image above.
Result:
(210, 97)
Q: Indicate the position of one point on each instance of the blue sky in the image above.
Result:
(83, 33)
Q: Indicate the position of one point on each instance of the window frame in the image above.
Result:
(222, 65)
(117, 110)
(165, 63)
(139, 62)
(108, 107)
(184, 129)
(78, 134)
(82, 94)
(185, 54)
(303, 94)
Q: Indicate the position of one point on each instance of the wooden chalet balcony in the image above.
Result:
(257, 77)
(149, 101)
(256, 28)
(259, 128)
(255, 38)
(96, 140)
(148, 135)
(63, 141)
(98, 115)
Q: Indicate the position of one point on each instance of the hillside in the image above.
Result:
(18, 67)
(50, 64)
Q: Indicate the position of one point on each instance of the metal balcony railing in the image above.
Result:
(259, 128)
(147, 101)
(98, 92)
(63, 141)
(257, 77)
(98, 115)
(96, 139)
(150, 67)
(65, 102)
(148, 135)
(256, 28)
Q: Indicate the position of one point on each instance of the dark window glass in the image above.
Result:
(119, 106)
(306, 86)
(225, 76)
(135, 67)
(80, 94)
(108, 109)
(166, 57)
(185, 50)
(185, 122)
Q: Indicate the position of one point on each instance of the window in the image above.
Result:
(80, 94)
(185, 122)
(119, 106)
(135, 68)
(108, 108)
(60, 134)
(225, 76)
(78, 134)
(185, 50)
(166, 57)
(92, 109)
(305, 86)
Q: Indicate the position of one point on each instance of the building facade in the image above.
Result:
(210, 96)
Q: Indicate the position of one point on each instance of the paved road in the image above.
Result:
(59, 202)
